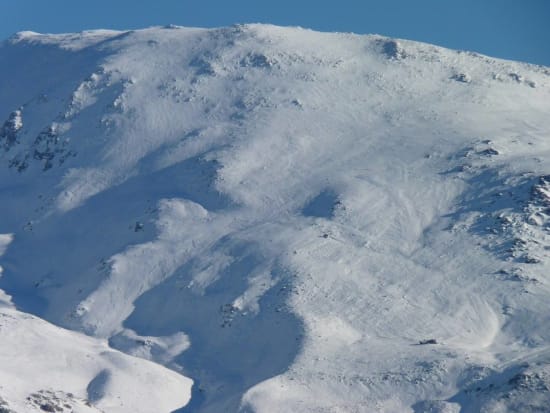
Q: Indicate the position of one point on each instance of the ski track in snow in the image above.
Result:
(296, 221)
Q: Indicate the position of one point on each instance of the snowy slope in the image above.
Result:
(47, 368)
(296, 221)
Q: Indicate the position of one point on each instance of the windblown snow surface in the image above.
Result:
(266, 219)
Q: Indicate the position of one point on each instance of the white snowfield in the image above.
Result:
(284, 220)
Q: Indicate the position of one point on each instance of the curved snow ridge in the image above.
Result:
(182, 230)
(67, 41)
(480, 326)
(46, 365)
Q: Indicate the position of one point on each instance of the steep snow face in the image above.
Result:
(296, 221)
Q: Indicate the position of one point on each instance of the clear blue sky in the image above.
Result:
(512, 29)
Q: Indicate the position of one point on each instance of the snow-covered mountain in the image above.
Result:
(270, 219)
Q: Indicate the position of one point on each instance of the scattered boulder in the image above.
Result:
(50, 401)
(257, 60)
(530, 380)
(393, 50)
(489, 152)
(427, 341)
(462, 77)
(47, 147)
(516, 77)
(228, 313)
(4, 408)
(48, 407)
(203, 66)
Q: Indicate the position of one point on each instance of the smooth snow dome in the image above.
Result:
(290, 220)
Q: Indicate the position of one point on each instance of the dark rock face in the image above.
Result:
(10, 130)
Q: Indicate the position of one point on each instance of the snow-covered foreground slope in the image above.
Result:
(296, 221)
(47, 368)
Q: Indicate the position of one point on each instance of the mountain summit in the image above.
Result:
(267, 219)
